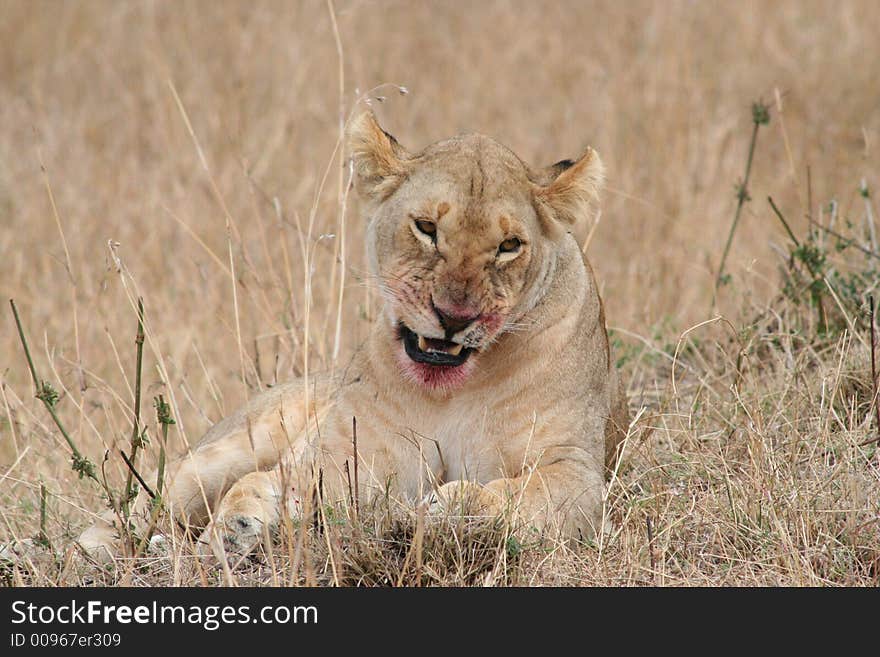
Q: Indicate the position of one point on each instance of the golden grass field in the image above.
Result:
(750, 461)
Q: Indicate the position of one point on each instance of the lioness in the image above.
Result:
(488, 379)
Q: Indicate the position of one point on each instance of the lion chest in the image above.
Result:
(464, 442)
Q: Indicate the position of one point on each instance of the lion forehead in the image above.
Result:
(471, 169)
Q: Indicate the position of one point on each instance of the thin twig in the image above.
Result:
(137, 475)
(809, 193)
(318, 501)
(44, 535)
(849, 241)
(784, 222)
(348, 479)
(651, 544)
(354, 442)
(874, 368)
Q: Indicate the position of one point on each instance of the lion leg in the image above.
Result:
(250, 512)
(196, 484)
(562, 499)
(250, 440)
(253, 507)
(248, 515)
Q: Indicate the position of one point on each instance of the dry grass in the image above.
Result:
(750, 462)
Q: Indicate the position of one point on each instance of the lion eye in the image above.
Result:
(426, 227)
(509, 245)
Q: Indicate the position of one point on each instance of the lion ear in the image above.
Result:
(380, 163)
(571, 188)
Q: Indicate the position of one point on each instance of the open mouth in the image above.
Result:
(431, 351)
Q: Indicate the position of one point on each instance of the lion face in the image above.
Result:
(461, 241)
(455, 248)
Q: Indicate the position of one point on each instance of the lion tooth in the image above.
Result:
(454, 351)
(423, 344)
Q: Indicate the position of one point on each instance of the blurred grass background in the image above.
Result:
(662, 89)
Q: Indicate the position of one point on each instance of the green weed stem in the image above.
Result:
(163, 417)
(760, 116)
(136, 437)
(46, 394)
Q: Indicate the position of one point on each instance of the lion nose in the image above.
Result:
(454, 321)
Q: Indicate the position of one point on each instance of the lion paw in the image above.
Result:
(461, 497)
(235, 534)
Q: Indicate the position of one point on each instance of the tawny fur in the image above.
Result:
(529, 425)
